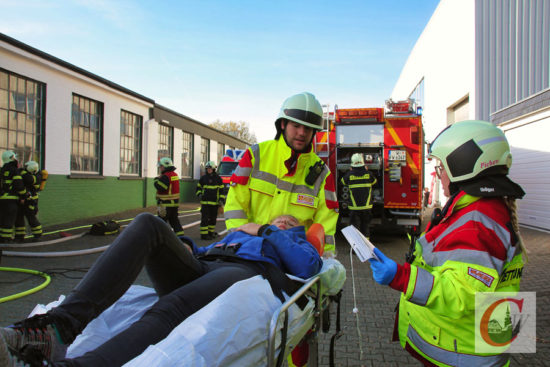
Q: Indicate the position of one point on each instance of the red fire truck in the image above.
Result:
(392, 143)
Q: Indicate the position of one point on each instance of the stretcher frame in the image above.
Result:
(309, 329)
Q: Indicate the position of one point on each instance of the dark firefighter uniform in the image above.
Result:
(360, 182)
(210, 191)
(11, 193)
(168, 197)
(29, 209)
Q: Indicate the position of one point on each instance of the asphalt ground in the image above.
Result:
(365, 340)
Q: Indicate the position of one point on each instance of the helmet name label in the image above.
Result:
(488, 164)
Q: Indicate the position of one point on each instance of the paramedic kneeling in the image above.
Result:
(466, 249)
(185, 277)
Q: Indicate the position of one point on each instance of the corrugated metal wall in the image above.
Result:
(512, 52)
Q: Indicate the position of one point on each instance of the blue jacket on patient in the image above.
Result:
(287, 249)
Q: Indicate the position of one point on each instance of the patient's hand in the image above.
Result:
(250, 228)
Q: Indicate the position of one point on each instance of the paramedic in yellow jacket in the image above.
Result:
(284, 175)
(473, 246)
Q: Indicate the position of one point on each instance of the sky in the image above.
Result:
(230, 60)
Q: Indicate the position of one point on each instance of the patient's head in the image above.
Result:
(285, 222)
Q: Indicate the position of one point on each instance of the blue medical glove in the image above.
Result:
(383, 271)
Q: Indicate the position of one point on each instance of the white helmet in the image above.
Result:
(31, 166)
(9, 156)
(210, 164)
(357, 160)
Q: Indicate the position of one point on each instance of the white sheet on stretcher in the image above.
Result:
(231, 330)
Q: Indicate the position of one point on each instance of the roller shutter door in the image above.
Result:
(530, 146)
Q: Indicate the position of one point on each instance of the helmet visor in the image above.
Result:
(305, 116)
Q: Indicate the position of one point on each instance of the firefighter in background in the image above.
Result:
(472, 246)
(284, 175)
(168, 194)
(34, 181)
(359, 181)
(12, 192)
(210, 191)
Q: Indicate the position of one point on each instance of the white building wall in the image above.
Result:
(61, 83)
(150, 148)
(197, 157)
(444, 57)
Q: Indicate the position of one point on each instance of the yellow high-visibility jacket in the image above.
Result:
(263, 187)
(471, 250)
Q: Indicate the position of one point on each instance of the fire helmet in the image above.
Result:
(211, 164)
(303, 109)
(357, 160)
(8, 156)
(31, 166)
(470, 149)
(165, 162)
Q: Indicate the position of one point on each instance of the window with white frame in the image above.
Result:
(22, 116)
(166, 142)
(205, 152)
(187, 155)
(86, 135)
(130, 143)
(221, 151)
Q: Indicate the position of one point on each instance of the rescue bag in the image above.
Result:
(105, 228)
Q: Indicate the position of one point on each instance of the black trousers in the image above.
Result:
(171, 217)
(8, 214)
(183, 283)
(28, 210)
(361, 220)
(209, 213)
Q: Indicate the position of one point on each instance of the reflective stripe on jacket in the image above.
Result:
(210, 189)
(261, 189)
(471, 250)
(12, 183)
(168, 188)
(360, 183)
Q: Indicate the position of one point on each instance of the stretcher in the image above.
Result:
(228, 331)
(247, 325)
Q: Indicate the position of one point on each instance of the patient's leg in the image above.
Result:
(147, 240)
(165, 315)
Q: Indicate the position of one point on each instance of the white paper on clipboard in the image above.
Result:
(363, 248)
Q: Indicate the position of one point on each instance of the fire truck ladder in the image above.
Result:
(322, 148)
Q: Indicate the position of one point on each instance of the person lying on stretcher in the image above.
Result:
(185, 277)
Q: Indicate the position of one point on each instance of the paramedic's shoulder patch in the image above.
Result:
(481, 276)
(305, 200)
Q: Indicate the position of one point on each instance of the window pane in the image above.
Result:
(3, 139)
(3, 80)
(86, 133)
(3, 118)
(20, 119)
(3, 98)
(130, 127)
